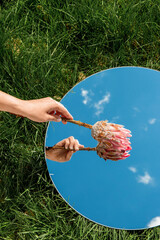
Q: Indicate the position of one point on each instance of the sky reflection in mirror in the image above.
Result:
(124, 194)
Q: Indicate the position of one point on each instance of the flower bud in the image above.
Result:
(113, 140)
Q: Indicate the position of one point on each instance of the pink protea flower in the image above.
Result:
(113, 140)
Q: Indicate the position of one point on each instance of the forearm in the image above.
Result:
(11, 104)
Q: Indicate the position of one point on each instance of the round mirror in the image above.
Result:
(122, 194)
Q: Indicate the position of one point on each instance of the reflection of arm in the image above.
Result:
(65, 154)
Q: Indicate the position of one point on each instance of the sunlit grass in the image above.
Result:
(46, 47)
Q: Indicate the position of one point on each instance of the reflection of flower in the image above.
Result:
(113, 140)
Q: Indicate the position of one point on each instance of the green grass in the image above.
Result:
(46, 47)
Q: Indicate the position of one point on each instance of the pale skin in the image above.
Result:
(70, 145)
(38, 110)
(42, 110)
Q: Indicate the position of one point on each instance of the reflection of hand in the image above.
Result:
(64, 155)
(45, 109)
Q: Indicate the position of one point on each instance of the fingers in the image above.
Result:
(45, 109)
(70, 144)
(60, 108)
(73, 143)
(61, 143)
(81, 146)
(77, 146)
(67, 144)
(61, 115)
(55, 115)
(54, 118)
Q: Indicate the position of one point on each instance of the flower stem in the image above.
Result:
(85, 148)
(78, 123)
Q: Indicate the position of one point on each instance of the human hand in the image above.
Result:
(44, 109)
(64, 155)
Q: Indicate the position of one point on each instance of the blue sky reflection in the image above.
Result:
(123, 194)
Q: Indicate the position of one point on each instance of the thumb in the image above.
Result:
(69, 155)
(54, 118)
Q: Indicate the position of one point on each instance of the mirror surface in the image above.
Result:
(122, 194)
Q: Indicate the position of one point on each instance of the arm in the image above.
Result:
(10, 104)
(38, 110)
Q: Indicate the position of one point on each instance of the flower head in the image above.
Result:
(113, 140)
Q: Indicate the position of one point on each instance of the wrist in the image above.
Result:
(20, 107)
(16, 106)
(10, 104)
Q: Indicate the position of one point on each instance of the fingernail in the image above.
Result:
(58, 119)
(76, 148)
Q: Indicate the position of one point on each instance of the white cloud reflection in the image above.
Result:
(146, 179)
(136, 109)
(132, 169)
(84, 93)
(154, 222)
(145, 128)
(114, 119)
(100, 104)
(152, 121)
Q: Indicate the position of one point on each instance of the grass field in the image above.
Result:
(46, 47)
